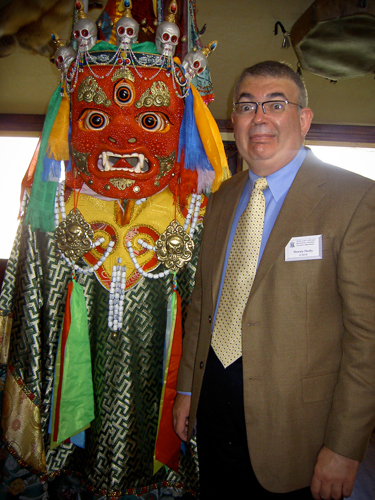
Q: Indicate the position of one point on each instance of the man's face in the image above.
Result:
(125, 131)
(268, 142)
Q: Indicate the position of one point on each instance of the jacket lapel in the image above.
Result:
(304, 195)
(218, 244)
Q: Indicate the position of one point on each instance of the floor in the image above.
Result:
(364, 487)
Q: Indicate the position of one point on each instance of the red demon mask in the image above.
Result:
(125, 131)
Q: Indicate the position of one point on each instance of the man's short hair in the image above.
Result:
(275, 69)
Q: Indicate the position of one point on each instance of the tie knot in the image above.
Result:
(261, 184)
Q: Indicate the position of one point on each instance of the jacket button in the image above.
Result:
(210, 319)
(201, 364)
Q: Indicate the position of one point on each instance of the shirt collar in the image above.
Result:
(280, 181)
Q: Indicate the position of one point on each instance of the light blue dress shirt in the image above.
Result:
(278, 186)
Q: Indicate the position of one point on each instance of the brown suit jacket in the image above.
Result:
(308, 329)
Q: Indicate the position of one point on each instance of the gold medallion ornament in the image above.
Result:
(174, 247)
(74, 236)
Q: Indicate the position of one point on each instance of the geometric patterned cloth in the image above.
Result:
(239, 277)
(127, 374)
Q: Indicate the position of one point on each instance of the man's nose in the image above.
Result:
(259, 116)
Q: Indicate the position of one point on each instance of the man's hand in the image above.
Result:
(334, 476)
(181, 411)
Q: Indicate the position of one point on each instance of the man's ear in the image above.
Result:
(306, 116)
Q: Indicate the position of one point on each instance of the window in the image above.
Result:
(358, 160)
(16, 154)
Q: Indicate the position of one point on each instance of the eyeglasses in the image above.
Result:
(269, 107)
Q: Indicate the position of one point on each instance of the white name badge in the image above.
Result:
(304, 248)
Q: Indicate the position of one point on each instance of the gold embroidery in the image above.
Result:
(166, 164)
(157, 95)
(122, 184)
(80, 159)
(90, 91)
(123, 73)
(21, 424)
(5, 330)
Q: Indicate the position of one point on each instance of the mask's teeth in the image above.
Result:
(100, 163)
(141, 162)
(145, 167)
(107, 166)
(137, 161)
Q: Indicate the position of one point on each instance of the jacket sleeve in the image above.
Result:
(352, 417)
(193, 322)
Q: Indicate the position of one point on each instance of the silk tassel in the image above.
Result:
(167, 445)
(73, 395)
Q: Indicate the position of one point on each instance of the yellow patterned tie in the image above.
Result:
(239, 277)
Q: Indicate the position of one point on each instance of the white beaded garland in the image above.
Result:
(135, 62)
(117, 296)
(145, 245)
(113, 60)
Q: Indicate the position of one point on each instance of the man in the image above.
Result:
(294, 410)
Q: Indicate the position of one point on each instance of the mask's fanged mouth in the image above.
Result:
(136, 163)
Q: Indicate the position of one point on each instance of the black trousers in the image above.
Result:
(224, 462)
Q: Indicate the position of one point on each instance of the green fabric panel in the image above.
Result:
(103, 46)
(77, 397)
(40, 211)
(56, 381)
(147, 47)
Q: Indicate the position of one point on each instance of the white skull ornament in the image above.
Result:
(127, 30)
(194, 63)
(167, 37)
(86, 33)
(64, 56)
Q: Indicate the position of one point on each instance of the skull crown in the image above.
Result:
(167, 38)
(168, 33)
(64, 55)
(86, 34)
(127, 30)
(195, 61)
